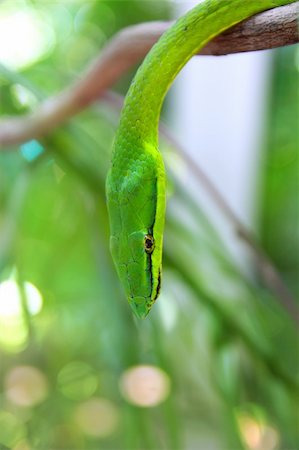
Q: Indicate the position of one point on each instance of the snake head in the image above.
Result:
(138, 259)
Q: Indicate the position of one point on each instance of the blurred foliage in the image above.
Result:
(215, 364)
(280, 209)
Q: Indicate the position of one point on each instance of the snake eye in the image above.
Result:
(149, 243)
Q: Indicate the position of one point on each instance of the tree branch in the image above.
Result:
(273, 28)
(270, 29)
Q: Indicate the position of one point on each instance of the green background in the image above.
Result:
(226, 345)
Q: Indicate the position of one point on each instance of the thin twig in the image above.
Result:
(266, 269)
(266, 30)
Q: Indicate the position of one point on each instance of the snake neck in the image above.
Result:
(140, 115)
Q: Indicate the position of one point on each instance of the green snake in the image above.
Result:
(136, 182)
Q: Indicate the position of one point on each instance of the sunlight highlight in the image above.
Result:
(13, 323)
(77, 381)
(24, 37)
(12, 430)
(256, 435)
(25, 386)
(11, 301)
(97, 417)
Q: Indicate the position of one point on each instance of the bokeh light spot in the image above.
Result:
(11, 302)
(22, 445)
(13, 323)
(77, 381)
(13, 333)
(256, 435)
(25, 386)
(97, 417)
(23, 96)
(11, 429)
(33, 39)
(145, 386)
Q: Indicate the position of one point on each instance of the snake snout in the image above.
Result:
(140, 306)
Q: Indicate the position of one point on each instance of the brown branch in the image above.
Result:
(266, 30)
(273, 28)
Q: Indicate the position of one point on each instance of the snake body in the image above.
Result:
(135, 185)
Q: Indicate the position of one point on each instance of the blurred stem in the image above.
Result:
(129, 437)
(24, 303)
(9, 229)
(231, 426)
(147, 441)
(171, 418)
(228, 389)
(265, 358)
(266, 269)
